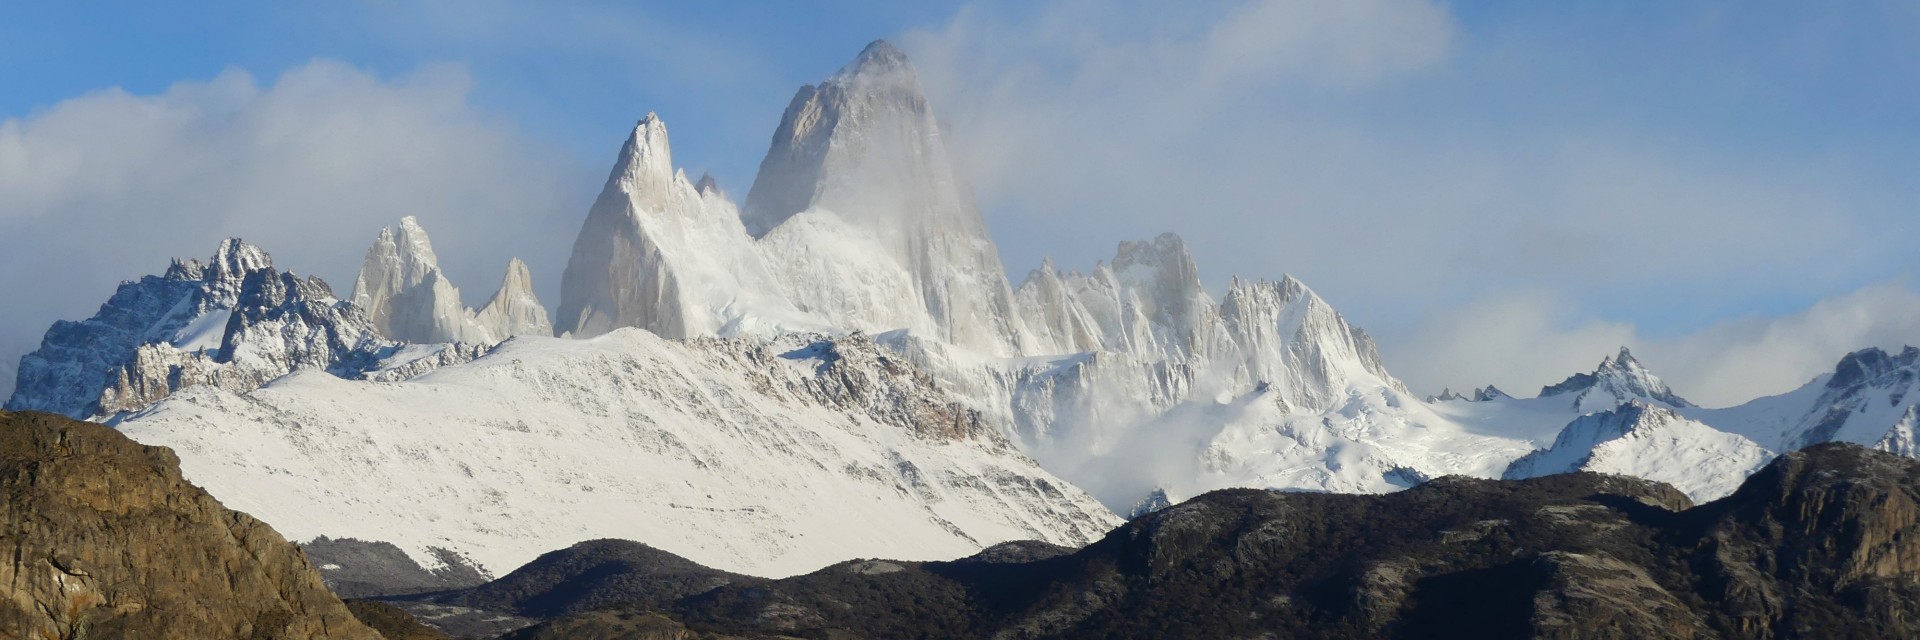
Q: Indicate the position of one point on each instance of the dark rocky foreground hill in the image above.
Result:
(100, 537)
(1823, 543)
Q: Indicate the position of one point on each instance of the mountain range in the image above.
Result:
(837, 367)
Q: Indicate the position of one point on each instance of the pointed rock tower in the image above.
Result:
(864, 145)
(660, 253)
(409, 299)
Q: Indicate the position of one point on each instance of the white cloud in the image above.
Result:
(110, 185)
(1402, 163)
(1523, 341)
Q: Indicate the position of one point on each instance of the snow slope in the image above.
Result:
(1653, 442)
(763, 457)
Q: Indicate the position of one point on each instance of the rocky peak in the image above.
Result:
(879, 60)
(408, 298)
(645, 168)
(1872, 365)
(1618, 379)
(231, 263)
(402, 290)
(1489, 393)
(234, 259)
(706, 185)
(1288, 335)
(862, 143)
(514, 310)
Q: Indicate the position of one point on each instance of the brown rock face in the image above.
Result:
(100, 537)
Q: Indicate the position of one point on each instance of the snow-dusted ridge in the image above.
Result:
(1653, 442)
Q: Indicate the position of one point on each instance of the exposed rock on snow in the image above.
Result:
(234, 322)
(1870, 398)
(1617, 380)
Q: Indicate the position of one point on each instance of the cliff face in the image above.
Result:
(100, 537)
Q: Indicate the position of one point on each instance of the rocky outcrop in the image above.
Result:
(104, 539)
(1823, 543)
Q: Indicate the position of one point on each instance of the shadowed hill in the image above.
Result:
(1823, 543)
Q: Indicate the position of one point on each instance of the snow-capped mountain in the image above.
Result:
(409, 299)
(764, 456)
(1649, 441)
(837, 368)
(1617, 380)
(234, 322)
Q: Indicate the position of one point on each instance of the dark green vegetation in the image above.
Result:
(391, 621)
(1823, 543)
(592, 575)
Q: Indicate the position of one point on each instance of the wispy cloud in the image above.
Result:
(110, 185)
(1521, 341)
(1404, 160)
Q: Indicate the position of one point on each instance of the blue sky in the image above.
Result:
(1498, 190)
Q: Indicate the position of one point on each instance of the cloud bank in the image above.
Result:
(111, 185)
(1469, 192)
(1522, 341)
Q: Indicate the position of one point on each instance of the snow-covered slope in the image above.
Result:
(1653, 442)
(764, 457)
(408, 298)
